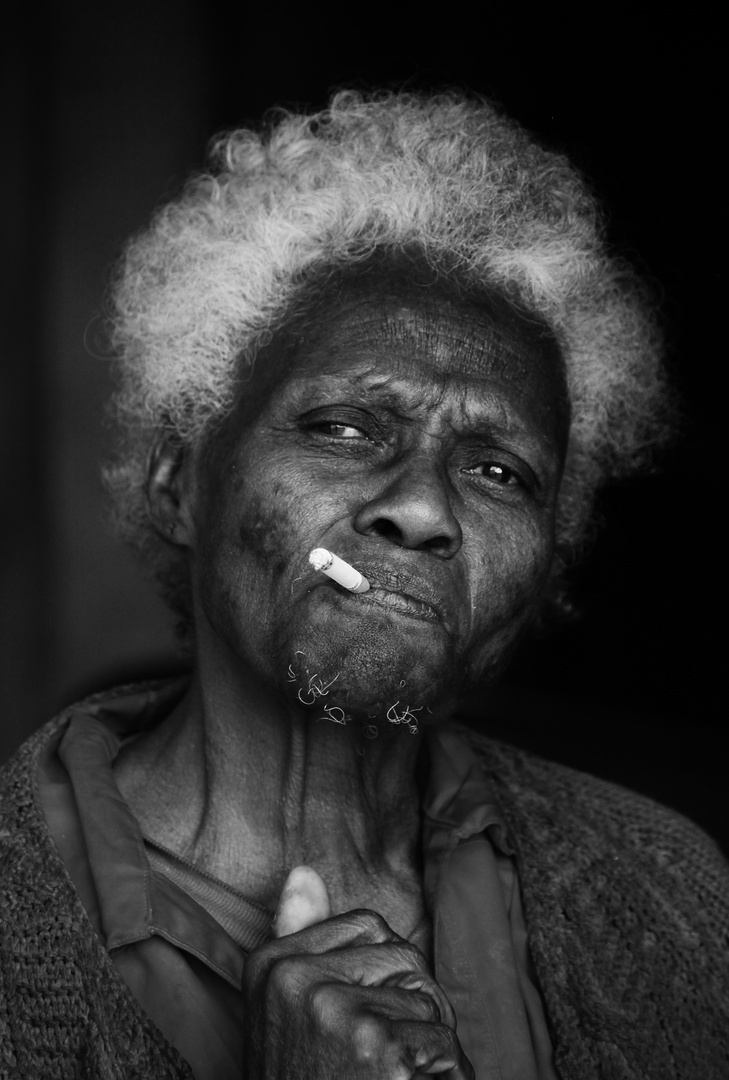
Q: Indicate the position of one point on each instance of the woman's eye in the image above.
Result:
(348, 428)
(496, 473)
(339, 430)
(343, 431)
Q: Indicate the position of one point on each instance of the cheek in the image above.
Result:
(508, 583)
(265, 530)
(259, 513)
(278, 521)
(521, 572)
(254, 532)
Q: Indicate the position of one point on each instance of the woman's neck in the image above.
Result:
(247, 786)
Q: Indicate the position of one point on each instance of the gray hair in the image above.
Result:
(200, 291)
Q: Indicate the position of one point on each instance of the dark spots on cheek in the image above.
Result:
(265, 531)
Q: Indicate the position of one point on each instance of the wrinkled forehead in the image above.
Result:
(413, 313)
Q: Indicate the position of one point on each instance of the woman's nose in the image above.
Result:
(413, 510)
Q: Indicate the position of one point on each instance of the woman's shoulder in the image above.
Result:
(548, 802)
(624, 899)
(19, 808)
(49, 948)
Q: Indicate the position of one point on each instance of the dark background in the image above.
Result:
(104, 111)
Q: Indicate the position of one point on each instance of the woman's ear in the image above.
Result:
(169, 491)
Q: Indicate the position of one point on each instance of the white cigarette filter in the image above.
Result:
(338, 570)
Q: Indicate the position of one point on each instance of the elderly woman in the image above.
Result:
(391, 332)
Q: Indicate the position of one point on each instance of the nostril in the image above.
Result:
(440, 544)
(388, 530)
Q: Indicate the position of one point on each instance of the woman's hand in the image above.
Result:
(345, 998)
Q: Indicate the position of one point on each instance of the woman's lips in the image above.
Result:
(402, 592)
(399, 602)
(397, 590)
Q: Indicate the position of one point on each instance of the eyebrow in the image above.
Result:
(494, 412)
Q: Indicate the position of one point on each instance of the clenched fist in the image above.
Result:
(343, 998)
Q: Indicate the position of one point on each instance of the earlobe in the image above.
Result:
(169, 491)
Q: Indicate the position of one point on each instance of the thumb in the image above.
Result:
(304, 901)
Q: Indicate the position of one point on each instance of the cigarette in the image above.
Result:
(338, 570)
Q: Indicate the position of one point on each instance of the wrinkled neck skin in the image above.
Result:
(247, 785)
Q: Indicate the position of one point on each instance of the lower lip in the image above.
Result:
(399, 604)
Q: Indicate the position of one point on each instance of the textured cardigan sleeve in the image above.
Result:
(627, 907)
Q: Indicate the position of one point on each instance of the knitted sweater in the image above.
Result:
(627, 906)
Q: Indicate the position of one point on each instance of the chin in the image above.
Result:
(371, 674)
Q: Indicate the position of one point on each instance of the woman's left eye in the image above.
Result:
(342, 431)
(496, 472)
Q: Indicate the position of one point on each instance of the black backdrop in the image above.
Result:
(105, 110)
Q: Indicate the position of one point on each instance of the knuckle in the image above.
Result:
(427, 1006)
(410, 956)
(323, 1004)
(285, 974)
(371, 924)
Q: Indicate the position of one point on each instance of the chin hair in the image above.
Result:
(328, 693)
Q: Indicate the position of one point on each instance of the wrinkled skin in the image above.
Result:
(421, 442)
(421, 438)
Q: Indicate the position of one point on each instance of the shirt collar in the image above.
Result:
(134, 901)
(459, 796)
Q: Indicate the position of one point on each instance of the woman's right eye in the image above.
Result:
(340, 431)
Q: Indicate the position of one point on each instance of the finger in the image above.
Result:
(399, 965)
(424, 983)
(397, 968)
(333, 1003)
(354, 928)
(431, 1050)
(304, 901)
(395, 1032)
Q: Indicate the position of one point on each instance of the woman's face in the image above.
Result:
(421, 439)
